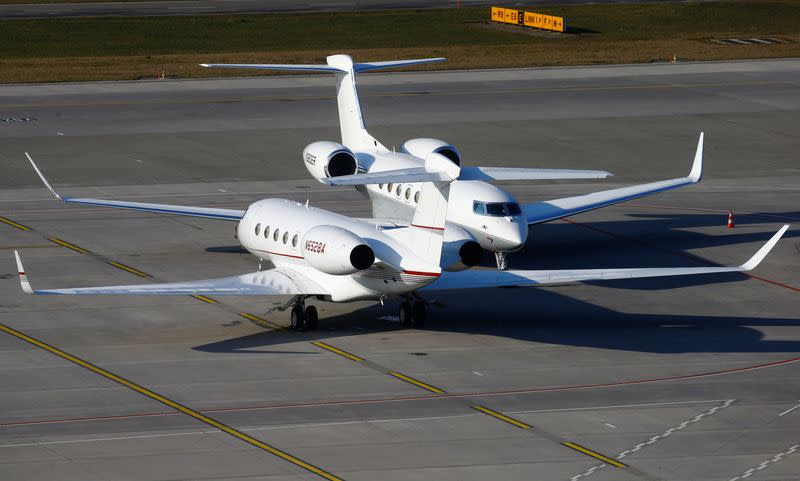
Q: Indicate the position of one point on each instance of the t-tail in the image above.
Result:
(351, 119)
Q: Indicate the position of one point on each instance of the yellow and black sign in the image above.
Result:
(529, 19)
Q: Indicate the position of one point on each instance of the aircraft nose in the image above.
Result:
(519, 233)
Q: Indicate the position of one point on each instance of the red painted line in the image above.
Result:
(280, 254)
(427, 227)
(679, 253)
(420, 273)
(424, 397)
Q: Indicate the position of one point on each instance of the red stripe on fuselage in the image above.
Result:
(420, 273)
(280, 254)
(427, 227)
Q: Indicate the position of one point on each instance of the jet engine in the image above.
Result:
(422, 147)
(336, 251)
(328, 159)
(460, 250)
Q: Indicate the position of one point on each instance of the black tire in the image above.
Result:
(298, 319)
(405, 314)
(419, 314)
(312, 318)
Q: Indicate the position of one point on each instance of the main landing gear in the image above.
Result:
(303, 317)
(413, 313)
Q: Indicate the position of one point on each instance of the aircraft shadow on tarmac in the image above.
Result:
(552, 316)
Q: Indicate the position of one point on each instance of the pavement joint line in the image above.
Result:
(177, 406)
(203, 298)
(130, 269)
(14, 224)
(404, 94)
(594, 454)
(66, 244)
(502, 417)
(338, 351)
(261, 321)
(416, 382)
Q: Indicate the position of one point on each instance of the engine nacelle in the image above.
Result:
(422, 147)
(460, 250)
(336, 251)
(328, 159)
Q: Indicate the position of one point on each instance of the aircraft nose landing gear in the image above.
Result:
(413, 313)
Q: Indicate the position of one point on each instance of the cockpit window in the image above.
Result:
(496, 209)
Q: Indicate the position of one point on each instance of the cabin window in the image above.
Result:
(266, 232)
(285, 238)
(397, 190)
(258, 228)
(294, 240)
(380, 186)
(408, 193)
(389, 187)
(416, 197)
(276, 234)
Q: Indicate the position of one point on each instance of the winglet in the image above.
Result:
(697, 166)
(762, 253)
(41, 176)
(23, 279)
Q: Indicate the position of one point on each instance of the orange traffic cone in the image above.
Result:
(730, 219)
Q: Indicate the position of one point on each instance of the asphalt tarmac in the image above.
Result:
(662, 379)
(206, 7)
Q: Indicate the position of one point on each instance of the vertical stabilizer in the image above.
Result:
(351, 120)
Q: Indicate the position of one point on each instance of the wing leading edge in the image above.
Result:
(273, 282)
(205, 212)
(546, 211)
(473, 279)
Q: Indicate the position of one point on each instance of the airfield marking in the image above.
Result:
(14, 224)
(203, 298)
(66, 244)
(407, 94)
(596, 455)
(416, 382)
(130, 269)
(177, 406)
(260, 320)
(766, 463)
(502, 417)
(791, 409)
(338, 351)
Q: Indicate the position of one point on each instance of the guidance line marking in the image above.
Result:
(338, 351)
(416, 382)
(789, 410)
(130, 269)
(66, 244)
(502, 417)
(260, 320)
(766, 463)
(180, 407)
(589, 452)
(13, 224)
(205, 299)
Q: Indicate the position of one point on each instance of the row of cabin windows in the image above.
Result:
(398, 190)
(276, 234)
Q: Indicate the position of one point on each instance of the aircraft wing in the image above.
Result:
(513, 173)
(273, 282)
(548, 210)
(206, 212)
(473, 279)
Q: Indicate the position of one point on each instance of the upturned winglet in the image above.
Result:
(23, 279)
(41, 176)
(762, 253)
(697, 166)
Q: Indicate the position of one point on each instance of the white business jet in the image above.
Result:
(489, 214)
(330, 257)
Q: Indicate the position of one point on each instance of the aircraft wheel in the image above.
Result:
(419, 314)
(405, 314)
(298, 319)
(312, 318)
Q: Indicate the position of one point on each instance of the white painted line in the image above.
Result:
(739, 41)
(657, 438)
(789, 410)
(766, 463)
(477, 373)
(59, 133)
(610, 425)
(760, 41)
(616, 406)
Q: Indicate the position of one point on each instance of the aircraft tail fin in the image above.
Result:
(351, 120)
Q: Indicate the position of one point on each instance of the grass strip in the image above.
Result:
(139, 47)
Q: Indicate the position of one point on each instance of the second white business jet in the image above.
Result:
(491, 215)
(330, 257)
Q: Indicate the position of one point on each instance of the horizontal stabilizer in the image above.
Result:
(473, 279)
(512, 173)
